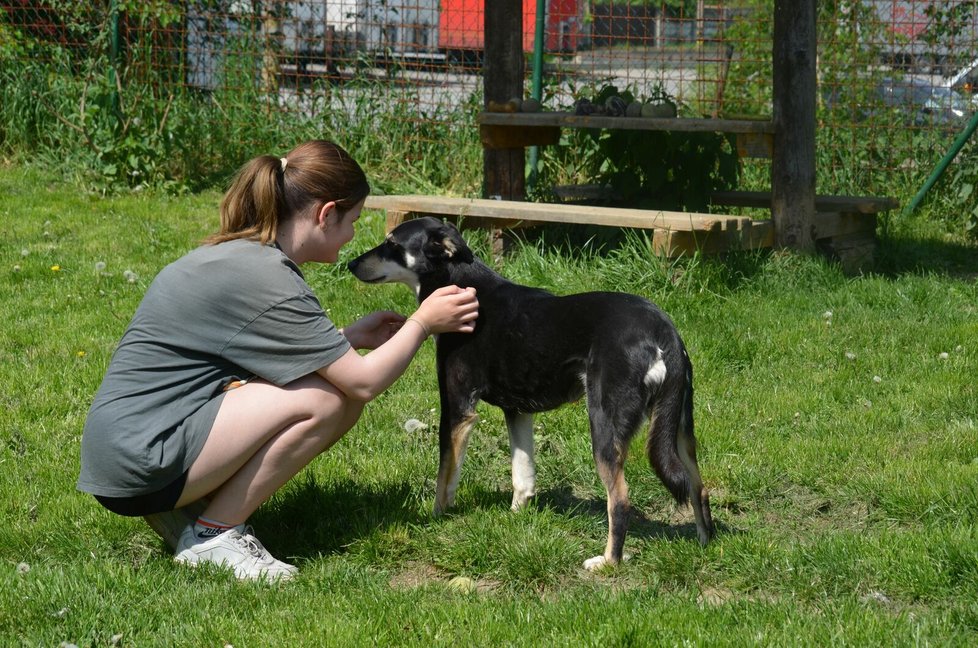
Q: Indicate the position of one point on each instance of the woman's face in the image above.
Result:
(339, 231)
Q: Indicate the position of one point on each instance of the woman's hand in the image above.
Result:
(371, 331)
(449, 309)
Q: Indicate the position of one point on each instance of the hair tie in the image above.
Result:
(285, 163)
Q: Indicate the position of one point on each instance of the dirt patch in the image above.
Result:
(417, 574)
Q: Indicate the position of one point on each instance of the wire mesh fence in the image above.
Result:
(895, 76)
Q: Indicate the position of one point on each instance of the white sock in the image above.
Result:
(206, 528)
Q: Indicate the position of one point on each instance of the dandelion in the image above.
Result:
(958, 349)
(99, 267)
(81, 354)
(130, 276)
(943, 355)
(25, 252)
(17, 268)
(23, 568)
(877, 379)
(827, 315)
(116, 640)
(414, 425)
(55, 268)
(850, 356)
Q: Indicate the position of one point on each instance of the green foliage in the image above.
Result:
(671, 170)
(953, 201)
(138, 124)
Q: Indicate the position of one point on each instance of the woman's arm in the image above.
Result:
(363, 377)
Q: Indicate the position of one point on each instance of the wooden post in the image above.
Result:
(793, 163)
(503, 69)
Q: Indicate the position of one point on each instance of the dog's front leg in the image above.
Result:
(521, 453)
(453, 439)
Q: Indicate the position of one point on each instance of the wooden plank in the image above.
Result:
(570, 120)
(823, 203)
(793, 163)
(503, 137)
(856, 253)
(511, 210)
(746, 235)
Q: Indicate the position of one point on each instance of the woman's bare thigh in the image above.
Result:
(252, 415)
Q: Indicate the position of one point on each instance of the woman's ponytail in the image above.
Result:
(253, 204)
(268, 190)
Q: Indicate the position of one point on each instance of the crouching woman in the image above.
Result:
(231, 378)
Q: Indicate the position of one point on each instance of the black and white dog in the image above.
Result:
(533, 351)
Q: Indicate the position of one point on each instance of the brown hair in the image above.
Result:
(269, 190)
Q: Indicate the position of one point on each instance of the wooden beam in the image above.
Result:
(570, 120)
(793, 163)
(505, 137)
(823, 203)
(503, 72)
(509, 212)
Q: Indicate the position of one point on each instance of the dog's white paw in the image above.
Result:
(521, 499)
(600, 562)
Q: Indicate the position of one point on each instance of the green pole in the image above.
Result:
(942, 166)
(536, 88)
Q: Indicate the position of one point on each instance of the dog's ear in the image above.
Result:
(447, 245)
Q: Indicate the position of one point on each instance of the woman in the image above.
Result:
(231, 378)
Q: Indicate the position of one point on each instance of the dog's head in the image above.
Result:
(412, 250)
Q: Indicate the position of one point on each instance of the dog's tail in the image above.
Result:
(671, 417)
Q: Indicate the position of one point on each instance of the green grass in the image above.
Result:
(842, 454)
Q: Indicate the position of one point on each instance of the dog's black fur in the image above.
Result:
(533, 351)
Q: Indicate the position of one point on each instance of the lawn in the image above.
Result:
(837, 418)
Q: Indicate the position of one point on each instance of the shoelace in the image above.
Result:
(251, 544)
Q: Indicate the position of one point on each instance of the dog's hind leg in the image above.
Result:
(610, 450)
(453, 440)
(611, 470)
(521, 453)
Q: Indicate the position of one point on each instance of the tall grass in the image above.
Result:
(149, 130)
(840, 450)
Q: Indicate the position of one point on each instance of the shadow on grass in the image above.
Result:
(896, 254)
(640, 525)
(905, 255)
(311, 519)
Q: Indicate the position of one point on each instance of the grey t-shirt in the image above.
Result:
(223, 312)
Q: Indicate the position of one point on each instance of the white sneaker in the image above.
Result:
(235, 548)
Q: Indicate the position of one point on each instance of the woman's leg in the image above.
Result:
(264, 435)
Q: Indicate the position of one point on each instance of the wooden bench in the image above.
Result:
(673, 233)
(845, 226)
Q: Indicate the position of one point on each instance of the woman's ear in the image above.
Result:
(323, 215)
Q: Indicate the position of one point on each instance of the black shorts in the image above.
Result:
(162, 500)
